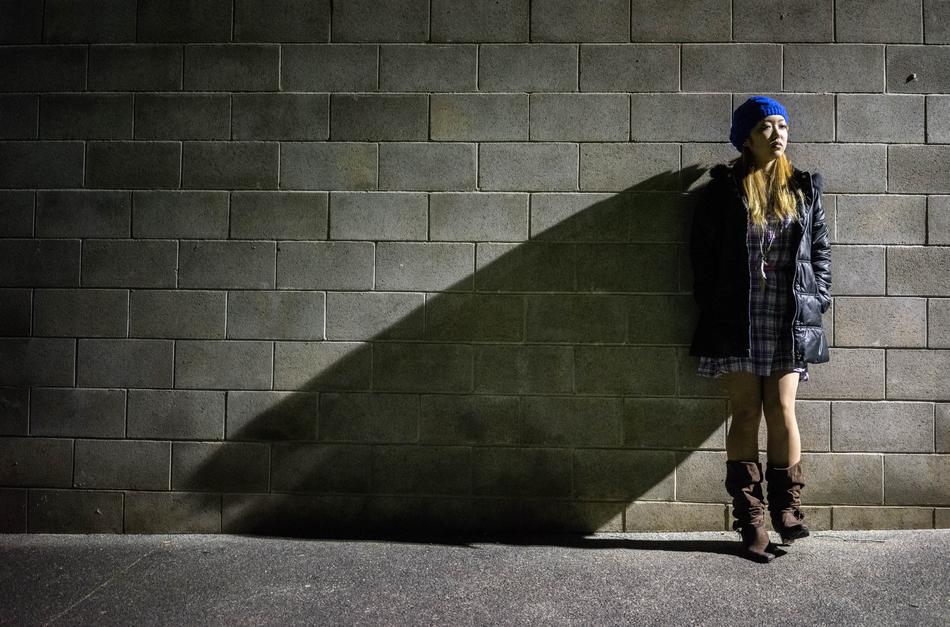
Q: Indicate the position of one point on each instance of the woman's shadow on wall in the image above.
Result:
(546, 392)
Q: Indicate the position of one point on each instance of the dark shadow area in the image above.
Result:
(544, 393)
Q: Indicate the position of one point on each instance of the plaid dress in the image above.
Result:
(771, 310)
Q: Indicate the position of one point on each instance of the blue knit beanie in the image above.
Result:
(748, 115)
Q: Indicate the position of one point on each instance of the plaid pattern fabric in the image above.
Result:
(771, 310)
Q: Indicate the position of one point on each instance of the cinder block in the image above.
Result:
(482, 318)
(86, 116)
(220, 466)
(468, 419)
(481, 216)
(918, 374)
(527, 67)
(427, 166)
(282, 315)
(14, 410)
(604, 217)
(564, 20)
(851, 373)
(12, 511)
(129, 263)
(328, 165)
(614, 167)
(232, 67)
(227, 264)
(435, 266)
(176, 414)
(89, 21)
(479, 117)
(38, 361)
(378, 216)
(864, 518)
(936, 24)
(42, 68)
(133, 164)
(938, 220)
(78, 413)
(572, 421)
(886, 219)
(396, 20)
(379, 117)
(422, 367)
(918, 169)
(138, 67)
(83, 214)
(938, 323)
(224, 364)
(912, 479)
(603, 268)
(328, 67)
(125, 363)
(674, 423)
(568, 516)
(734, 67)
(814, 419)
(918, 270)
(623, 474)
(299, 467)
(680, 117)
(39, 263)
(886, 427)
(523, 369)
(21, 22)
(170, 512)
(322, 366)
(699, 476)
(421, 469)
(880, 118)
(42, 164)
(81, 312)
(286, 20)
(647, 517)
(15, 307)
(36, 462)
(927, 62)
(808, 21)
(182, 116)
(197, 314)
(279, 215)
(512, 471)
(580, 117)
(368, 417)
(660, 319)
(942, 427)
(626, 370)
(230, 165)
(893, 22)
(280, 116)
(858, 270)
(938, 108)
(886, 321)
(531, 267)
(374, 315)
(835, 67)
(19, 116)
(687, 20)
(942, 517)
(578, 319)
(844, 479)
(123, 464)
(16, 213)
(427, 67)
(460, 20)
(291, 514)
(276, 416)
(182, 20)
(325, 265)
(74, 511)
(524, 166)
(177, 214)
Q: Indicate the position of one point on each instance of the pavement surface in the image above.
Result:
(831, 577)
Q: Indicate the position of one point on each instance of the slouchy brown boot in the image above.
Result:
(744, 484)
(785, 485)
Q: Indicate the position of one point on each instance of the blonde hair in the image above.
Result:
(760, 187)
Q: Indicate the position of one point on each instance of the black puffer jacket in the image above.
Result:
(719, 258)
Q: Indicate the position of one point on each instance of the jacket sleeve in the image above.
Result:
(702, 248)
(820, 248)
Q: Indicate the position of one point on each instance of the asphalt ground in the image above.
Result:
(830, 578)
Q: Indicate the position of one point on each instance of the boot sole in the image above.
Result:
(795, 536)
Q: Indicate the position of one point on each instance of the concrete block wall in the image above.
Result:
(307, 265)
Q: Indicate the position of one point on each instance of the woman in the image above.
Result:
(762, 268)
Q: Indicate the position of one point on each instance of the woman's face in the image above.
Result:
(768, 139)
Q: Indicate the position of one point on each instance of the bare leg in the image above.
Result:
(745, 397)
(784, 443)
